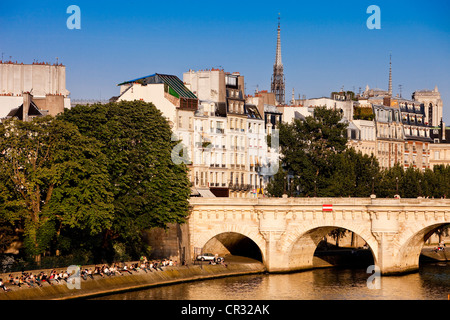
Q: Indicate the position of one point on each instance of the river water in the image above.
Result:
(431, 282)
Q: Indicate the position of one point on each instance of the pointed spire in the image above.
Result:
(278, 61)
(278, 85)
(390, 75)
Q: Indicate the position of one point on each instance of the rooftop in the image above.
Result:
(172, 81)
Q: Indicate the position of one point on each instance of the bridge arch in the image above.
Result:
(411, 242)
(229, 234)
(235, 244)
(303, 242)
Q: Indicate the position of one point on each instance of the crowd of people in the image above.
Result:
(28, 279)
(116, 269)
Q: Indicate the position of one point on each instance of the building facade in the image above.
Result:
(417, 134)
(362, 137)
(433, 106)
(239, 149)
(343, 106)
(440, 145)
(390, 136)
(44, 82)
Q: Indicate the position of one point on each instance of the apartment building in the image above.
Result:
(440, 145)
(417, 134)
(389, 135)
(234, 128)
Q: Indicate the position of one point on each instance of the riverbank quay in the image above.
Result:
(139, 280)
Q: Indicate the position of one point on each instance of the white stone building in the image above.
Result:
(345, 105)
(433, 105)
(45, 83)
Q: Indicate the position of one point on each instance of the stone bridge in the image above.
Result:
(287, 230)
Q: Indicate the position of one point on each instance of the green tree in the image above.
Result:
(412, 184)
(149, 189)
(277, 184)
(309, 151)
(53, 178)
(391, 180)
(442, 181)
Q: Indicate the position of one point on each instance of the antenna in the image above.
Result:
(400, 89)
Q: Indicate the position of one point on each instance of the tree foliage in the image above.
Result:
(317, 161)
(52, 179)
(149, 190)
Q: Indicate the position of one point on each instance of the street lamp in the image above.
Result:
(396, 178)
(420, 188)
(373, 185)
(315, 188)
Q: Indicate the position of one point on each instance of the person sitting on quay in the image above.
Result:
(144, 267)
(135, 267)
(87, 273)
(54, 276)
(157, 265)
(45, 278)
(116, 269)
(2, 286)
(125, 269)
(30, 280)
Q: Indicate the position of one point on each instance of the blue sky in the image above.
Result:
(326, 44)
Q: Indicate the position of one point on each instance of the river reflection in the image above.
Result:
(432, 282)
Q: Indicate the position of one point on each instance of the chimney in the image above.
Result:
(27, 97)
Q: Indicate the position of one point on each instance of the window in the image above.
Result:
(436, 155)
(430, 113)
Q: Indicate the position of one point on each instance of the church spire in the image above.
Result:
(390, 75)
(278, 61)
(278, 85)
